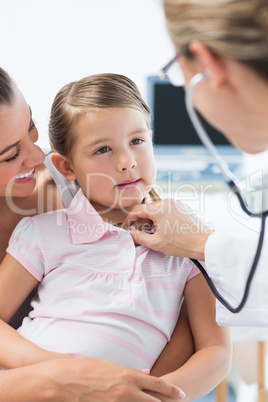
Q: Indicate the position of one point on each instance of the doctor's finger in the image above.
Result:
(145, 211)
(144, 239)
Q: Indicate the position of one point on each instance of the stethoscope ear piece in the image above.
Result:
(207, 73)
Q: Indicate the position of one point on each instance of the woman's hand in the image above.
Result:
(83, 380)
(178, 231)
(91, 380)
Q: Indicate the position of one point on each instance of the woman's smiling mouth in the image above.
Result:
(25, 176)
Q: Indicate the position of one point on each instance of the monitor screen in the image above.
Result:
(170, 123)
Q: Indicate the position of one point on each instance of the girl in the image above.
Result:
(114, 300)
(26, 188)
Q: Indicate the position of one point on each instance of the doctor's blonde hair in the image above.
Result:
(237, 29)
(96, 91)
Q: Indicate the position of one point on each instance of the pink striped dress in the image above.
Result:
(99, 295)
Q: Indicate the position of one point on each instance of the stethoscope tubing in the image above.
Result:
(231, 182)
(253, 268)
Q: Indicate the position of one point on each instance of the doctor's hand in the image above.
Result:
(178, 231)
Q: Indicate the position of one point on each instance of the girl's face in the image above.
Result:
(18, 153)
(112, 158)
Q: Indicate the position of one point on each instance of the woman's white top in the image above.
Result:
(229, 255)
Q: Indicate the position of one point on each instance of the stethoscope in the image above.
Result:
(231, 182)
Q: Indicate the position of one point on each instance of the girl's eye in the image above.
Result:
(13, 158)
(103, 150)
(136, 141)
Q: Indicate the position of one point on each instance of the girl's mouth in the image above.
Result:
(129, 184)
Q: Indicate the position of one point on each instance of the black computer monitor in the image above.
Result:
(170, 123)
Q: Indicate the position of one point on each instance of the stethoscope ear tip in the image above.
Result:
(207, 73)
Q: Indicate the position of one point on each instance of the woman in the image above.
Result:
(26, 188)
(227, 42)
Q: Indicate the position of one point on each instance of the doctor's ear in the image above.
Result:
(63, 165)
(213, 64)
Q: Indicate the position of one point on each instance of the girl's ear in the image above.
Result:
(215, 65)
(62, 164)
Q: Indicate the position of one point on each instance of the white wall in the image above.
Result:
(47, 43)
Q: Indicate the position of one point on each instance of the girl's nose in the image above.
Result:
(126, 162)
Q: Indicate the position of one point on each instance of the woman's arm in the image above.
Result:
(212, 359)
(15, 284)
(16, 351)
(87, 380)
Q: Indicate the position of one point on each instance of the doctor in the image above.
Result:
(226, 43)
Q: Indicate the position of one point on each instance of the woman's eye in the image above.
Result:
(13, 158)
(136, 141)
(103, 150)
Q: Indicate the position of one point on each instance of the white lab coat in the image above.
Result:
(229, 254)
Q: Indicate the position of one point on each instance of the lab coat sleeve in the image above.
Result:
(229, 255)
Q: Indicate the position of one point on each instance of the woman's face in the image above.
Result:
(18, 153)
(232, 105)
